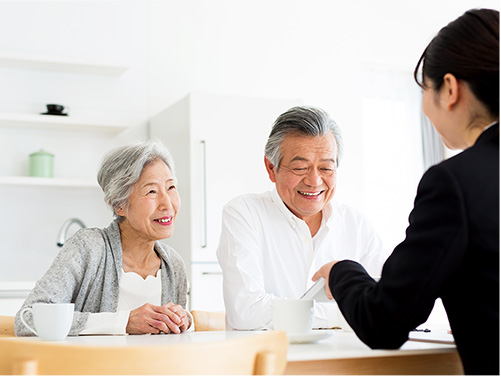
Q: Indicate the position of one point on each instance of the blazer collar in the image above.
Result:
(492, 131)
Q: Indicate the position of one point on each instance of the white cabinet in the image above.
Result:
(217, 143)
(206, 287)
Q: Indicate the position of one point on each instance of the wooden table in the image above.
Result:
(341, 353)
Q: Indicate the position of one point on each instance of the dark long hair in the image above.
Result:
(468, 48)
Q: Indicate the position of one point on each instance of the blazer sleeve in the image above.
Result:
(382, 314)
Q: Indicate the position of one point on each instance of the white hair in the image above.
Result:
(302, 120)
(122, 167)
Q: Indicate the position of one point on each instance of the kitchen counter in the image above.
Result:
(12, 295)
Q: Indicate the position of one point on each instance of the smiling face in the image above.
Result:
(153, 205)
(306, 177)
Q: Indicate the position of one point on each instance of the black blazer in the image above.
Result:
(451, 251)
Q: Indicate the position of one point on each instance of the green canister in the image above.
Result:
(42, 164)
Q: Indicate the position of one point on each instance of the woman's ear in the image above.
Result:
(450, 91)
(271, 170)
(120, 212)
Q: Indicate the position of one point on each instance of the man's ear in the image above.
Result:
(450, 91)
(271, 170)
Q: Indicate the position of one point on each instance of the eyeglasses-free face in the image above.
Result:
(153, 205)
(306, 177)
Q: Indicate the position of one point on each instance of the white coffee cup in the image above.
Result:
(52, 321)
(294, 316)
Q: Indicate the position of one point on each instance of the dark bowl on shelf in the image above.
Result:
(55, 109)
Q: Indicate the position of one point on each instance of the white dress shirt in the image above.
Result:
(134, 291)
(266, 252)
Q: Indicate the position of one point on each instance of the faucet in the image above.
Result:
(64, 230)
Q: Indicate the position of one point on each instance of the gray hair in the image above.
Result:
(301, 120)
(122, 167)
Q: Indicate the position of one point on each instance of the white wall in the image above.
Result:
(319, 51)
(107, 31)
(83, 31)
(313, 50)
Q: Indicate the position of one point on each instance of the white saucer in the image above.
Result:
(308, 338)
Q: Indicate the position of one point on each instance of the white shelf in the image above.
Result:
(61, 64)
(47, 182)
(56, 122)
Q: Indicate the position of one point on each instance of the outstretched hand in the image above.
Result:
(325, 271)
(153, 319)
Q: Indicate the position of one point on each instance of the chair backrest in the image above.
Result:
(207, 321)
(7, 326)
(261, 353)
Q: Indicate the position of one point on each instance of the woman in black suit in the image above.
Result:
(451, 249)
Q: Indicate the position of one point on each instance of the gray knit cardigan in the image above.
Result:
(87, 272)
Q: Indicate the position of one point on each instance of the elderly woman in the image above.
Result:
(121, 278)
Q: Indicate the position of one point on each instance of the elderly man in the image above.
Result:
(272, 243)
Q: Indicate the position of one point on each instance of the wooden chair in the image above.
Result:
(7, 326)
(208, 321)
(263, 353)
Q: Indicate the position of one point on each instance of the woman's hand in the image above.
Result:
(325, 271)
(179, 316)
(149, 318)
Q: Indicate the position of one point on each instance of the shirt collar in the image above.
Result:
(490, 125)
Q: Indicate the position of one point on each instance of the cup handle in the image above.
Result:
(24, 322)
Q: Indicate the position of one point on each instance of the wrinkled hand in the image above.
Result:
(149, 318)
(325, 271)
